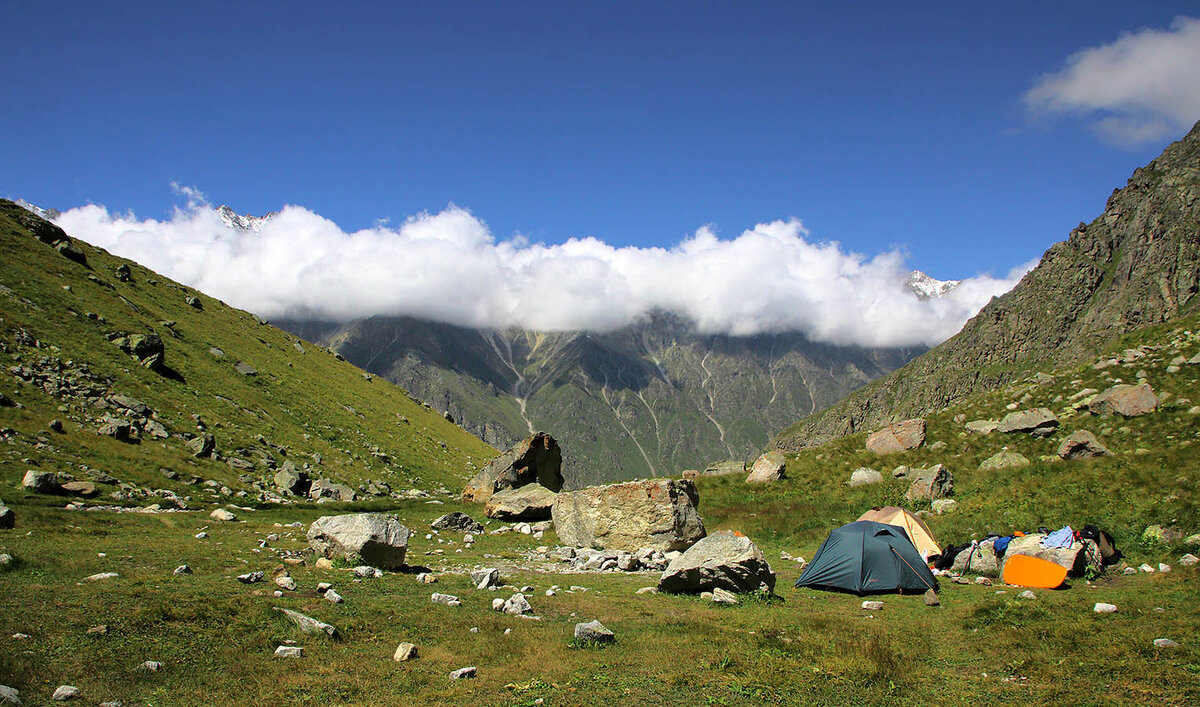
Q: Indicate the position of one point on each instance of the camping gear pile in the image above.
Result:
(889, 549)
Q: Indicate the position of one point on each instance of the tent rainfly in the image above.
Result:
(865, 557)
(918, 533)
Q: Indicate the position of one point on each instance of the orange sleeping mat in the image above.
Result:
(1026, 571)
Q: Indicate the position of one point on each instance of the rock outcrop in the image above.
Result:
(537, 459)
(723, 560)
(658, 514)
(373, 539)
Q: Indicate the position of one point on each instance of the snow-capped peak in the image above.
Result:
(48, 214)
(925, 287)
(233, 219)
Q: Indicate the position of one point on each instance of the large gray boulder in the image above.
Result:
(723, 560)
(536, 459)
(1039, 422)
(374, 539)
(1082, 444)
(1075, 558)
(767, 468)
(659, 514)
(980, 560)
(930, 484)
(529, 502)
(1125, 400)
(897, 437)
(41, 482)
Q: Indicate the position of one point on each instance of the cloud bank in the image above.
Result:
(1143, 87)
(449, 267)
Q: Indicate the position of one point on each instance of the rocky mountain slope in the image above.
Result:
(116, 375)
(1136, 264)
(651, 399)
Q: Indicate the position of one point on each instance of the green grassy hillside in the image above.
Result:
(60, 323)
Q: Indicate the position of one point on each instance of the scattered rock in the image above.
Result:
(983, 427)
(720, 596)
(944, 505)
(463, 673)
(376, 539)
(8, 519)
(202, 446)
(1165, 643)
(930, 484)
(1125, 400)
(446, 599)
(485, 578)
(245, 369)
(725, 468)
(9, 695)
(367, 572)
(593, 632)
(457, 521)
(659, 514)
(41, 482)
(289, 652)
(1082, 444)
(1004, 459)
(768, 468)
(333, 596)
(516, 605)
(182, 570)
(251, 577)
(536, 459)
(726, 559)
(897, 437)
(1027, 594)
(194, 302)
(65, 692)
(1102, 608)
(291, 480)
(931, 598)
(101, 576)
(528, 502)
(285, 583)
(872, 605)
(1189, 560)
(405, 652)
(863, 476)
(222, 514)
(307, 624)
(151, 666)
(1039, 422)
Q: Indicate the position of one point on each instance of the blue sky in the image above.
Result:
(878, 125)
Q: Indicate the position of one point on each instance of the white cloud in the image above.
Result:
(448, 267)
(1144, 86)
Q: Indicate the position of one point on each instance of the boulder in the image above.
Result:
(767, 468)
(1004, 459)
(308, 624)
(202, 446)
(245, 369)
(930, 484)
(980, 560)
(405, 651)
(458, 522)
(291, 480)
(897, 437)
(1082, 444)
(117, 428)
(1124, 400)
(536, 459)
(593, 632)
(485, 578)
(1039, 422)
(529, 502)
(376, 539)
(324, 488)
(863, 476)
(982, 427)
(1074, 558)
(725, 559)
(725, 468)
(82, 489)
(8, 519)
(222, 514)
(41, 482)
(659, 514)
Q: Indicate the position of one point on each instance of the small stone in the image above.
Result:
(333, 596)
(1027, 594)
(323, 587)
(308, 624)
(1164, 567)
(64, 693)
(1129, 570)
(647, 590)
(485, 577)
(426, 578)
(463, 673)
(324, 563)
(872, 605)
(286, 583)
(1165, 643)
(289, 652)
(201, 535)
(1146, 568)
(723, 596)
(152, 666)
(251, 577)
(931, 598)
(983, 581)
(404, 652)
(497, 604)
(99, 630)
(1189, 560)
(222, 514)
(367, 572)
(182, 570)
(1102, 608)
(101, 576)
